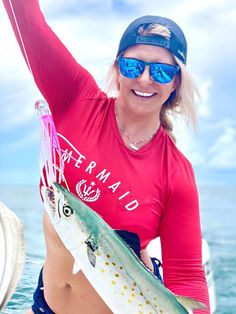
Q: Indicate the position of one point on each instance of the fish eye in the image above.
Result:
(67, 211)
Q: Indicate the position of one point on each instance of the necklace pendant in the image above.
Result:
(133, 146)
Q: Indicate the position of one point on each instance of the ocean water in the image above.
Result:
(217, 191)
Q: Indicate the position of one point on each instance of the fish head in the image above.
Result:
(71, 218)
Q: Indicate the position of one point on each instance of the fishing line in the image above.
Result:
(19, 33)
(49, 143)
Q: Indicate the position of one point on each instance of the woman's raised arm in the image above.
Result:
(57, 74)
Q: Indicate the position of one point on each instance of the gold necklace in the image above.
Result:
(133, 145)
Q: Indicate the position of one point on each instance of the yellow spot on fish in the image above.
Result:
(113, 282)
(147, 302)
(98, 254)
(134, 284)
(140, 305)
(121, 268)
(132, 295)
(129, 301)
(106, 263)
(140, 312)
(114, 264)
(108, 256)
(117, 275)
(122, 293)
(141, 293)
(103, 270)
(125, 287)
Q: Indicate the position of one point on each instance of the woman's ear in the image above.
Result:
(118, 81)
(118, 75)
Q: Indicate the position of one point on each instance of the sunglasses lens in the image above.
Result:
(130, 68)
(163, 73)
(160, 72)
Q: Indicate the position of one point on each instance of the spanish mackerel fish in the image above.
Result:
(12, 253)
(117, 274)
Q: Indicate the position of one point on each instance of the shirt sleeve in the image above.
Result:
(180, 235)
(57, 74)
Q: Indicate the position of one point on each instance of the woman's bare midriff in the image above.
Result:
(64, 292)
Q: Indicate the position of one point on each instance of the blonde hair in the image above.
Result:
(181, 101)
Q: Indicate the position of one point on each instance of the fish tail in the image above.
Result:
(190, 304)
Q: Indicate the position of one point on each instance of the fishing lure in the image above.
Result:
(51, 161)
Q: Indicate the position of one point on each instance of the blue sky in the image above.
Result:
(91, 30)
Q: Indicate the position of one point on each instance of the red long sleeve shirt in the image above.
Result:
(151, 192)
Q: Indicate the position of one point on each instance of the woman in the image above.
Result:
(119, 153)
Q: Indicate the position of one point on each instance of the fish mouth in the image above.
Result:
(49, 200)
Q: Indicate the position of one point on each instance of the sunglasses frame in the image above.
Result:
(143, 63)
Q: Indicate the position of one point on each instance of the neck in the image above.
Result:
(136, 129)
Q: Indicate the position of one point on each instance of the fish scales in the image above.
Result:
(117, 274)
(113, 277)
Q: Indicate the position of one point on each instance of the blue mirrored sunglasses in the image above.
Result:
(160, 72)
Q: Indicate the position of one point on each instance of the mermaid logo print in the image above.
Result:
(87, 193)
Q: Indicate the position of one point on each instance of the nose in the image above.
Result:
(145, 76)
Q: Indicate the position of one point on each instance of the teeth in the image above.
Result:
(143, 94)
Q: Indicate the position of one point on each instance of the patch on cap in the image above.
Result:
(176, 43)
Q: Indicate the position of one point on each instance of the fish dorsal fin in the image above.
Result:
(190, 304)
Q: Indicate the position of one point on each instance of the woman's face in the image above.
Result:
(142, 95)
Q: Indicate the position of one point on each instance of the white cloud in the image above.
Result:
(203, 104)
(186, 142)
(220, 125)
(10, 55)
(223, 151)
(50, 5)
(17, 104)
(93, 40)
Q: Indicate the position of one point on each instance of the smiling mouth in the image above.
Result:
(143, 94)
